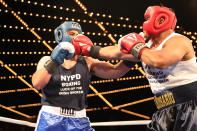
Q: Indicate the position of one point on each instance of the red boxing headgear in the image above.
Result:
(154, 13)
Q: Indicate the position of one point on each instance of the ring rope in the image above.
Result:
(112, 123)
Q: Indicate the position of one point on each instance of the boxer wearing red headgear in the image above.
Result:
(169, 62)
(153, 16)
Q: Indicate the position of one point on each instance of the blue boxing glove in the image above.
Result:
(64, 50)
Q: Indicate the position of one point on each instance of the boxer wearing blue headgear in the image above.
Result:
(64, 79)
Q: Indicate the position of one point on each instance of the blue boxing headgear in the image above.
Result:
(61, 31)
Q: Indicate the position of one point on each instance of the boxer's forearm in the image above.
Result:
(113, 52)
(40, 78)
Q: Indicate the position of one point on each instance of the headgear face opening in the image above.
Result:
(61, 33)
(153, 26)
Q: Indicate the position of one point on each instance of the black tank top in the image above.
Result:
(68, 88)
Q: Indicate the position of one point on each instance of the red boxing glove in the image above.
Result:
(83, 44)
(132, 43)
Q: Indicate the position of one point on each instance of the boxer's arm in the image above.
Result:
(107, 70)
(49, 64)
(109, 52)
(113, 52)
(41, 77)
(175, 49)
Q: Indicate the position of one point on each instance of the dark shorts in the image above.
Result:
(179, 117)
(177, 109)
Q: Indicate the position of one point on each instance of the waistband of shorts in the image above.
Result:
(64, 111)
(176, 95)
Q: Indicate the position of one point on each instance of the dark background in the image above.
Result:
(185, 9)
(186, 13)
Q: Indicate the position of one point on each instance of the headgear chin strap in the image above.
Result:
(153, 15)
(62, 36)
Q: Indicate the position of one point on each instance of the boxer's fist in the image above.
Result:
(84, 43)
(64, 50)
(132, 43)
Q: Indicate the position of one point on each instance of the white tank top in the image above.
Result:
(183, 72)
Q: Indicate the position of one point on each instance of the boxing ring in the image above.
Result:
(48, 45)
